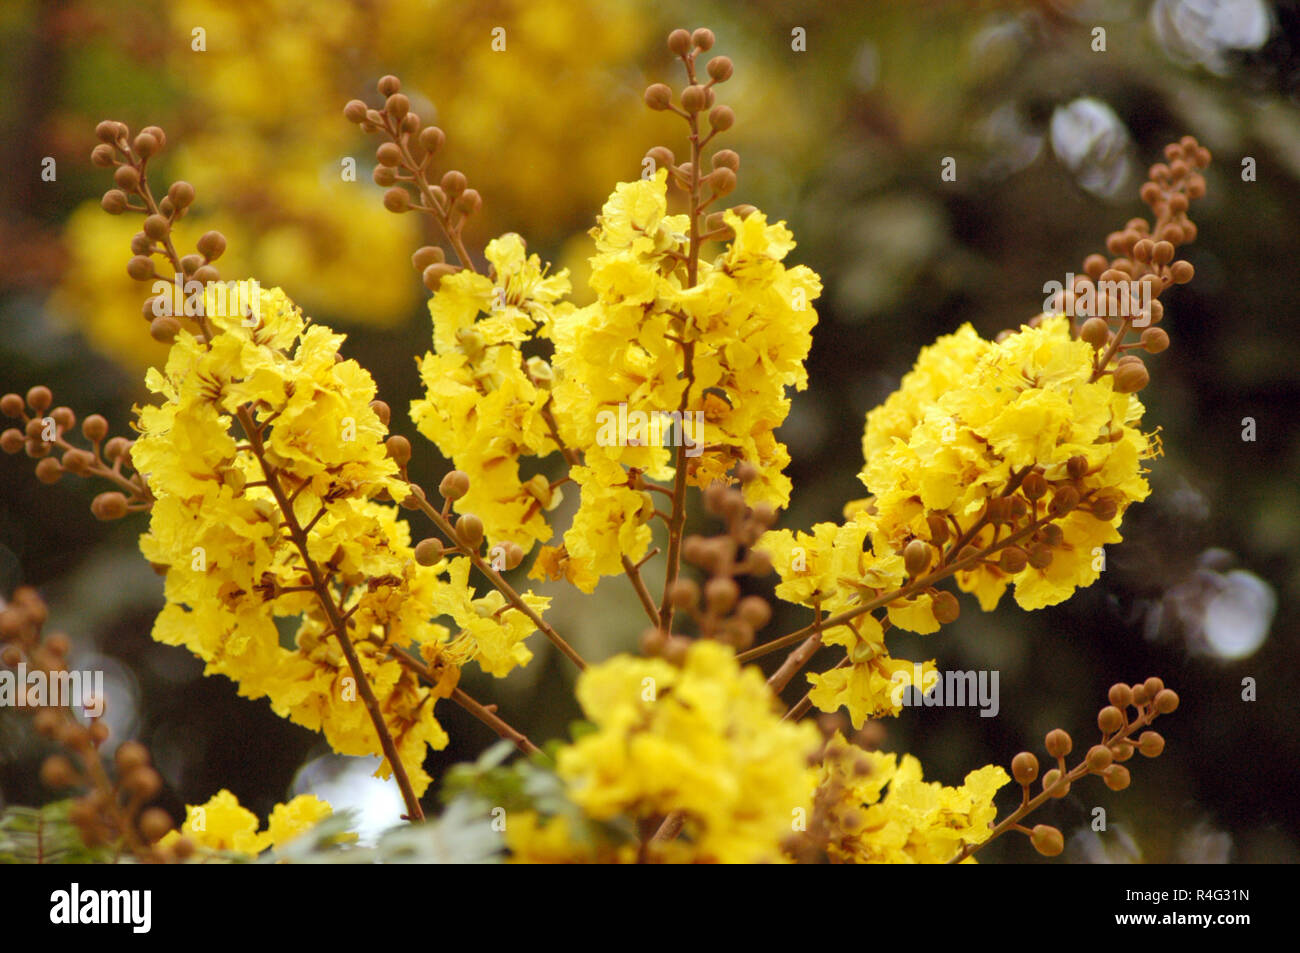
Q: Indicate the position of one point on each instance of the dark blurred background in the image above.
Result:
(1052, 112)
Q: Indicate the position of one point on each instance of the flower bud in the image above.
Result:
(113, 202)
(946, 608)
(721, 594)
(1120, 695)
(755, 611)
(355, 111)
(397, 199)
(694, 98)
(1166, 701)
(454, 183)
(1013, 560)
(1116, 777)
(1024, 768)
(658, 96)
(109, 506)
(454, 485)
(703, 39)
(181, 193)
(721, 118)
(156, 227)
(432, 275)
(428, 552)
(1047, 840)
(432, 139)
(1095, 331)
(1154, 340)
(1058, 743)
(679, 42)
(1034, 485)
(1130, 377)
(126, 177)
(389, 154)
(470, 530)
(720, 69)
(164, 329)
(1099, 758)
(145, 145)
(1151, 744)
(916, 557)
(1110, 719)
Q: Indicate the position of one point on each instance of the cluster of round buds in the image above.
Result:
(109, 811)
(697, 97)
(407, 159)
(467, 533)
(1121, 290)
(718, 607)
(1023, 519)
(43, 436)
(129, 158)
(1148, 700)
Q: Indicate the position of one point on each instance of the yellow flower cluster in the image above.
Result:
(971, 418)
(268, 416)
(223, 824)
(702, 739)
(1027, 402)
(915, 822)
(484, 403)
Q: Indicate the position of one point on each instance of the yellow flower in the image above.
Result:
(914, 821)
(704, 739)
(223, 824)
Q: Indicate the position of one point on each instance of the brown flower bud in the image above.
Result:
(155, 824)
(1034, 485)
(694, 98)
(113, 202)
(428, 552)
(164, 329)
(720, 69)
(1182, 272)
(703, 39)
(755, 611)
(109, 506)
(426, 256)
(1110, 719)
(1047, 840)
(397, 199)
(1058, 743)
(106, 131)
(12, 440)
(49, 470)
(432, 139)
(103, 156)
(1013, 560)
(916, 557)
(658, 96)
(389, 154)
(454, 183)
(1104, 508)
(1154, 340)
(454, 485)
(1130, 377)
(1120, 695)
(1050, 781)
(1024, 768)
(181, 194)
(662, 156)
(384, 176)
(145, 145)
(140, 267)
(355, 111)
(721, 118)
(721, 594)
(679, 42)
(946, 607)
(212, 245)
(156, 227)
(39, 399)
(1116, 777)
(397, 106)
(1096, 332)
(938, 528)
(432, 275)
(1065, 499)
(469, 202)
(1151, 743)
(126, 178)
(57, 772)
(1099, 758)
(470, 530)
(1166, 701)
(399, 448)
